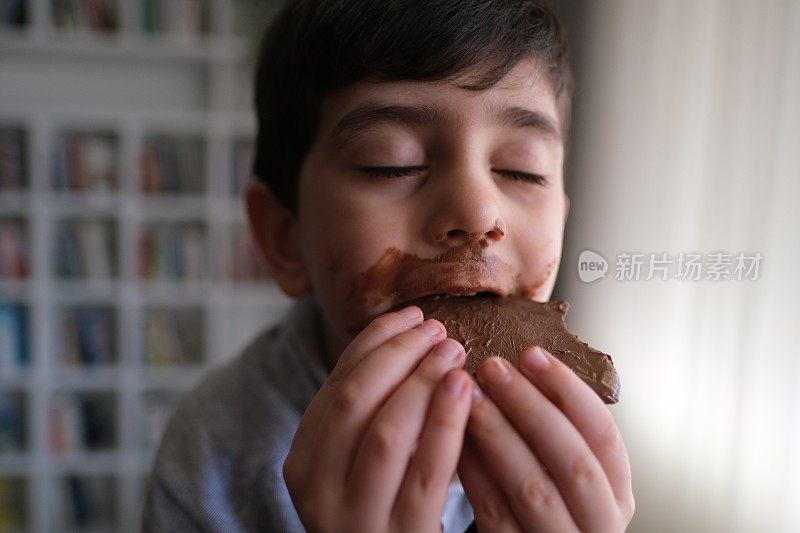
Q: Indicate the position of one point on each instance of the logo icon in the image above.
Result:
(591, 266)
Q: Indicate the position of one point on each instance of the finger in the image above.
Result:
(384, 453)
(590, 416)
(424, 489)
(375, 334)
(555, 441)
(533, 496)
(355, 403)
(491, 508)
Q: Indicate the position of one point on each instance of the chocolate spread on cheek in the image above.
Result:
(374, 286)
(529, 291)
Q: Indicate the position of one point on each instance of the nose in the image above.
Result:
(464, 207)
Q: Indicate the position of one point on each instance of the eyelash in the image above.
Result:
(399, 172)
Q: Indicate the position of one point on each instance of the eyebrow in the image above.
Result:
(369, 115)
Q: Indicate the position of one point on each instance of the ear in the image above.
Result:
(276, 235)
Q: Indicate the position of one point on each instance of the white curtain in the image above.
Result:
(688, 140)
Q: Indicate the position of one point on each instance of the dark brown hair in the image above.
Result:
(313, 47)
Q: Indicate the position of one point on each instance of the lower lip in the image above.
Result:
(455, 295)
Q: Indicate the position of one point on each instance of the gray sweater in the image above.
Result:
(219, 465)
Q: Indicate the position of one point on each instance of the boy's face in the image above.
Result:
(467, 217)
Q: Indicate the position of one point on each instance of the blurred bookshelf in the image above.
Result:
(126, 268)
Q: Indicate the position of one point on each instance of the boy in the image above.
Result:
(404, 148)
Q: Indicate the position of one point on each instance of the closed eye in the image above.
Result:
(391, 172)
(399, 172)
(524, 176)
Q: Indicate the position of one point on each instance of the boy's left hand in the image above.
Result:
(543, 453)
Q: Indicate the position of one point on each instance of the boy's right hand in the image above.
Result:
(379, 443)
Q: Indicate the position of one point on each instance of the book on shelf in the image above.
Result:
(12, 504)
(98, 423)
(164, 340)
(173, 251)
(173, 337)
(88, 337)
(85, 15)
(13, 12)
(175, 18)
(87, 503)
(13, 339)
(81, 422)
(84, 249)
(12, 423)
(13, 250)
(95, 243)
(85, 162)
(12, 160)
(172, 165)
(65, 425)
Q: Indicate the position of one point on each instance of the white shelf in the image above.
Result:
(88, 463)
(20, 380)
(84, 290)
(174, 207)
(99, 378)
(119, 46)
(169, 379)
(14, 203)
(15, 464)
(132, 87)
(84, 203)
(14, 290)
(175, 294)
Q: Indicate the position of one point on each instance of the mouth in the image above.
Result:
(453, 292)
(456, 294)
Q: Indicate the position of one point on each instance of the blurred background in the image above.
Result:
(126, 271)
(686, 137)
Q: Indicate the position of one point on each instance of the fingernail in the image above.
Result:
(534, 359)
(495, 371)
(454, 383)
(432, 327)
(411, 312)
(477, 393)
(448, 350)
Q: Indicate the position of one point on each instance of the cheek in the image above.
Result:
(539, 284)
(349, 222)
(349, 237)
(540, 254)
(333, 219)
(353, 290)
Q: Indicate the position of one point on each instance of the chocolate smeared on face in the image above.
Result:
(531, 290)
(489, 325)
(400, 276)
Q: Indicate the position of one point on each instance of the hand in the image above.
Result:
(543, 452)
(379, 443)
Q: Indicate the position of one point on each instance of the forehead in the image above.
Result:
(523, 98)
